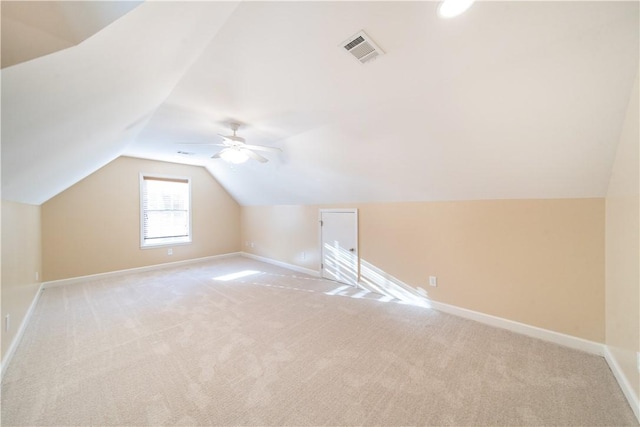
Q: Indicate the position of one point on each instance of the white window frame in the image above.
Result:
(168, 241)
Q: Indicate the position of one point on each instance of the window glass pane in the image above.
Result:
(165, 205)
(166, 224)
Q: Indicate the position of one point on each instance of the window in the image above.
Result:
(165, 210)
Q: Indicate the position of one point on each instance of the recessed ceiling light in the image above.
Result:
(451, 8)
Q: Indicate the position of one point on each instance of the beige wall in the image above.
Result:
(21, 259)
(284, 233)
(623, 249)
(94, 226)
(539, 262)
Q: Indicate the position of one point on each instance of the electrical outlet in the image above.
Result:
(253, 244)
(37, 276)
(433, 281)
(169, 251)
(304, 255)
(7, 322)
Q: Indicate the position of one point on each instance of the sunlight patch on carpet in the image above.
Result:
(238, 275)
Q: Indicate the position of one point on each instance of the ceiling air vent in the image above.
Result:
(362, 47)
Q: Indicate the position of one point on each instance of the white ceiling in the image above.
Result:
(509, 100)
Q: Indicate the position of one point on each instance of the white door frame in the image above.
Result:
(357, 252)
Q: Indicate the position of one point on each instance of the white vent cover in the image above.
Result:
(362, 47)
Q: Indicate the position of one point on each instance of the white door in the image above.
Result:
(339, 240)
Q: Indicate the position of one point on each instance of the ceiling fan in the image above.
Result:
(236, 150)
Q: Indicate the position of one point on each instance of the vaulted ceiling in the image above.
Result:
(509, 100)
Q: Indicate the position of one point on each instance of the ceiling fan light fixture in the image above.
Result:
(234, 156)
(452, 8)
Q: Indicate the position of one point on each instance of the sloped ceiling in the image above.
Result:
(31, 29)
(509, 100)
(69, 113)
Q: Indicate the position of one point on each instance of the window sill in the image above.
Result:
(159, 243)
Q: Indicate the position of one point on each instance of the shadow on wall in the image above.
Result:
(342, 265)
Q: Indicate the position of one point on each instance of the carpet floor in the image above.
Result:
(239, 342)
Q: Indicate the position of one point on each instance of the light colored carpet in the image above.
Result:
(178, 347)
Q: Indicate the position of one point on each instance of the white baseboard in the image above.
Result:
(63, 282)
(499, 322)
(522, 328)
(623, 381)
(72, 280)
(18, 337)
(282, 264)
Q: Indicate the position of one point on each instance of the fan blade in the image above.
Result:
(263, 148)
(254, 156)
(217, 155)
